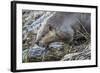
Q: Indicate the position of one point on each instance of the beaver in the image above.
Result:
(62, 27)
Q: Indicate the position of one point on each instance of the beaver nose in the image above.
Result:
(40, 44)
(37, 43)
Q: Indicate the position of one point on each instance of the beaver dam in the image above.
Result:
(43, 43)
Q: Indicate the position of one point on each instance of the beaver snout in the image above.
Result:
(39, 43)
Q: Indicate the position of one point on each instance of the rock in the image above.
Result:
(56, 45)
(33, 54)
(36, 51)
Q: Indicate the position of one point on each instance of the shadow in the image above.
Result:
(12, 72)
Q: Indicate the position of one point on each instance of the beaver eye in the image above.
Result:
(43, 35)
(50, 28)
